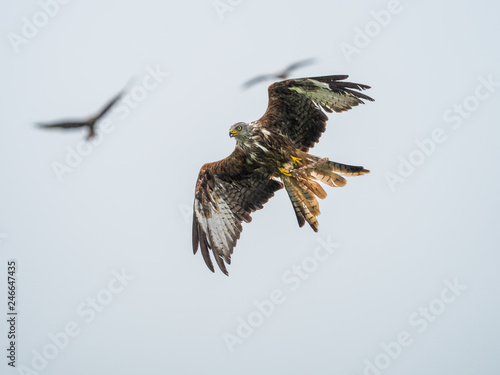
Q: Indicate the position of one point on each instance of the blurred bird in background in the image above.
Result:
(280, 75)
(90, 122)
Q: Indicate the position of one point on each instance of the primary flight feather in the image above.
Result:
(272, 153)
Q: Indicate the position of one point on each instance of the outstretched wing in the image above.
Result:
(227, 192)
(64, 125)
(258, 79)
(108, 106)
(296, 106)
(296, 65)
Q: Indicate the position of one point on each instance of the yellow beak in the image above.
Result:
(233, 132)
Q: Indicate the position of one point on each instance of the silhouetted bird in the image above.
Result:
(90, 122)
(280, 75)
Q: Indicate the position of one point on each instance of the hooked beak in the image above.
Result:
(233, 132)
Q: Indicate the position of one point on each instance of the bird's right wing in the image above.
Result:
(64, 125)
(227, 192)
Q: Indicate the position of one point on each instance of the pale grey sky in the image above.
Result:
(402, 277)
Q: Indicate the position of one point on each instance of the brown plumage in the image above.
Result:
(270, 154)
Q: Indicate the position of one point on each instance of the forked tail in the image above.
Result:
(303, 189)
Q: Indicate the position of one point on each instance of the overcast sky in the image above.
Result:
(402, 277)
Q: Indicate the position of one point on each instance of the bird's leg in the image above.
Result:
(285, 171)
(296, 160)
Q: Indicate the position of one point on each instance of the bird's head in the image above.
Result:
(240, 131)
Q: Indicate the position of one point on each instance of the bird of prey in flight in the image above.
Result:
(272, 153)
(280, 75)
(90, 122)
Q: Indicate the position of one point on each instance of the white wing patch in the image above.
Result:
(324, 96)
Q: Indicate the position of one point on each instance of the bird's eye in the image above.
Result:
(238, 128)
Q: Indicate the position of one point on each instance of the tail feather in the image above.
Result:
(292, 194)
(316, 188)
(309, 197)
(347, 170)
(303, 201)
(302, 187)
(330, 178)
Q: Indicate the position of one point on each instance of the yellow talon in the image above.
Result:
(286, 172)
(296, 160)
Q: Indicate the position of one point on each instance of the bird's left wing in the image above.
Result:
(296, 106)
(227, 192)
(108, 106)
(299, 64)
(255, 80)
